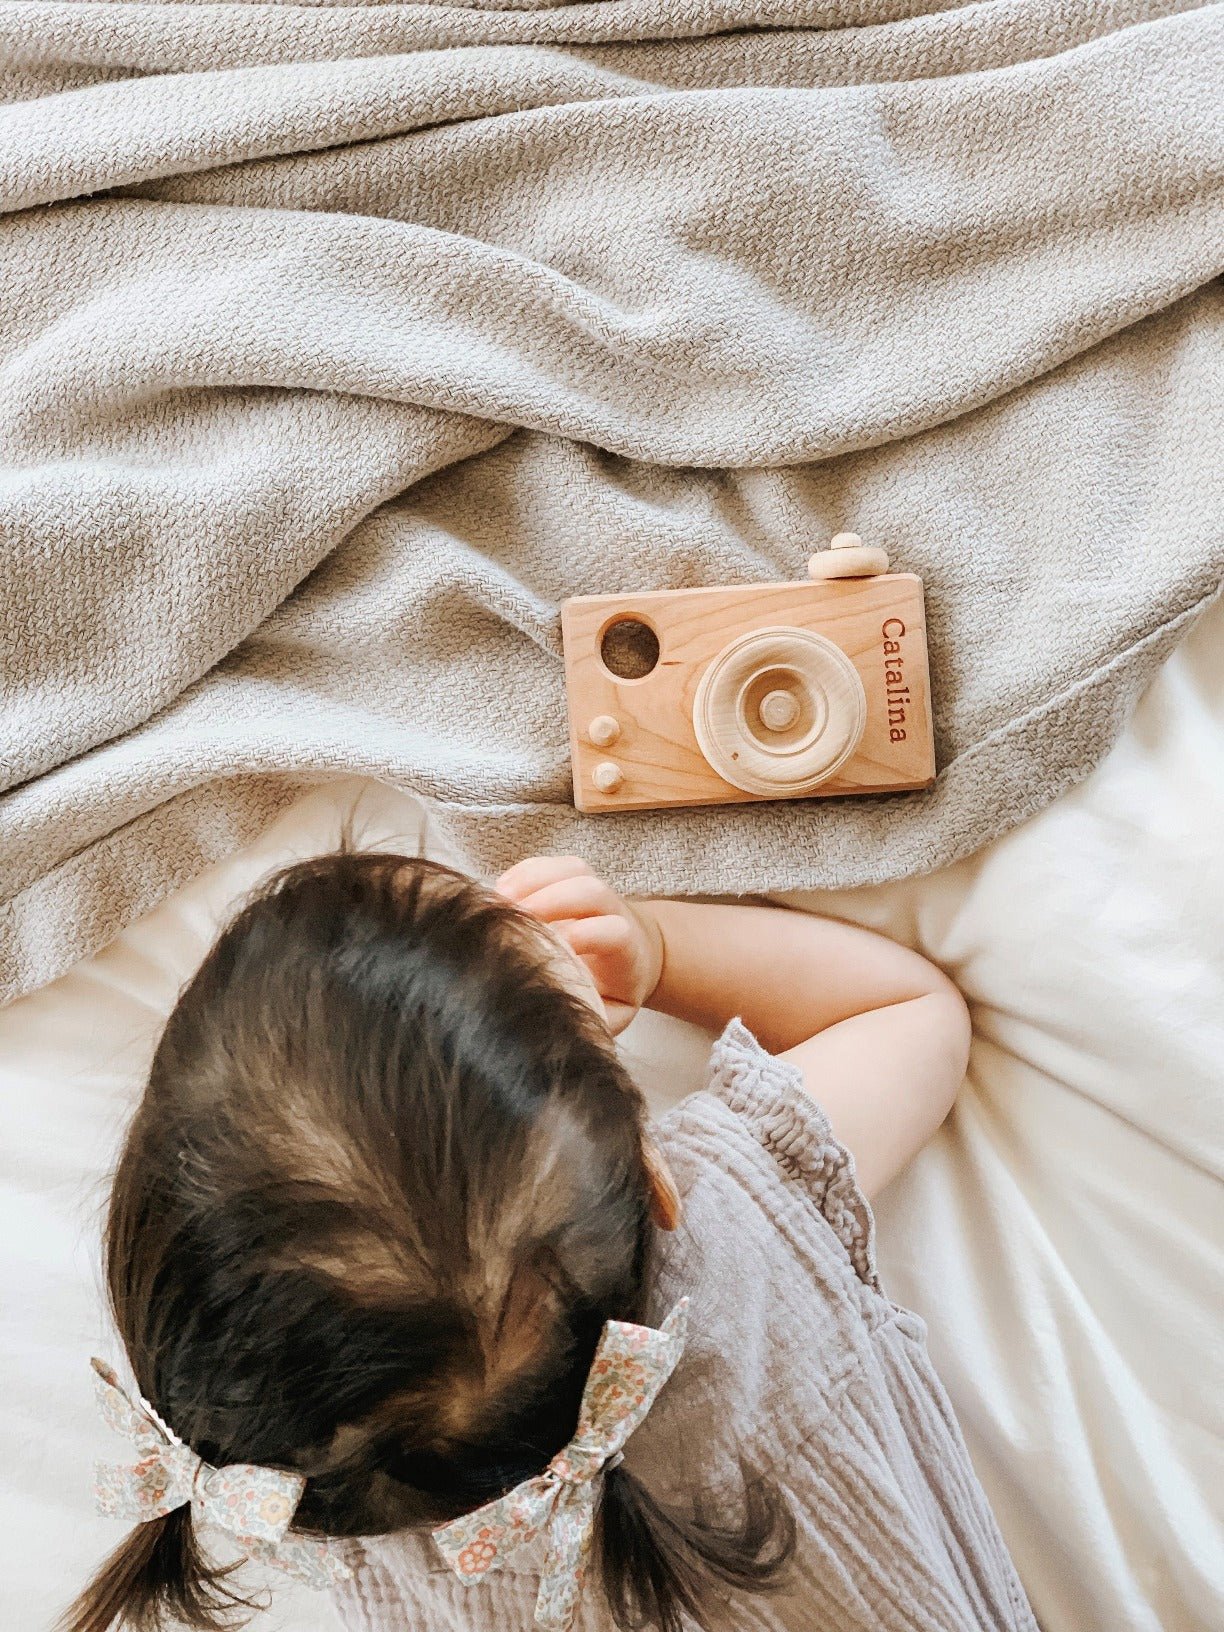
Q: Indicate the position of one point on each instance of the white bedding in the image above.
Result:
(1063, 1235)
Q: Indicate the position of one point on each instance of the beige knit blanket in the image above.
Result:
(340, 343)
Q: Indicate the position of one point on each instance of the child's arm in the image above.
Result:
(880, 1034)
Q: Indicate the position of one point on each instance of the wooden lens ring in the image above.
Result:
(729, 720)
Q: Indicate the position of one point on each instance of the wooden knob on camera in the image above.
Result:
(847, 557)
(607, 776)
(603, 730)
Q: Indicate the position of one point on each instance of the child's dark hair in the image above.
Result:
(385, 1186)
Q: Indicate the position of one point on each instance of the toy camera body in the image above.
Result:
(752, 691)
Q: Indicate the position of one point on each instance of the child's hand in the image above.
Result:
(619, 941)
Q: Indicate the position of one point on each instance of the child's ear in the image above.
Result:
(665, 1205)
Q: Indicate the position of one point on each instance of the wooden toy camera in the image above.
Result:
(753, 691)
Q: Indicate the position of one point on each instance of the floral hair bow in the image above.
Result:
(631, 1365)
(255, 1505)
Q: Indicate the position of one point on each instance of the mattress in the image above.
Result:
(1062, 1236)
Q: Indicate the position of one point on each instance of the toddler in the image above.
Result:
(420, 1307)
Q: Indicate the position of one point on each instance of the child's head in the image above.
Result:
(387, 1183)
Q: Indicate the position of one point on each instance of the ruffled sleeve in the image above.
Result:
(768, 1095)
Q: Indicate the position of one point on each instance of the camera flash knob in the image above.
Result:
(847, 557)
(603, 730)
(778, 710)
(607, 776)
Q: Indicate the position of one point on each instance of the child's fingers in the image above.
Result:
(533, 872)
(590, 937)
(582, 897)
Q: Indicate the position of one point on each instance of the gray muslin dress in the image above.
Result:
(796, 1359)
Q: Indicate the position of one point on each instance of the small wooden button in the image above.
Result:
(603, 730)
(607, 776)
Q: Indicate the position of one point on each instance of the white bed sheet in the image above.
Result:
(1063, 1235)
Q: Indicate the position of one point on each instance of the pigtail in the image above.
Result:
(658, 1564)
(155, 1577)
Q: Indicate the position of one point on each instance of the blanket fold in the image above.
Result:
(338, 344)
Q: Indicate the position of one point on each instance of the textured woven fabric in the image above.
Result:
(796, 1359)
(340, 342)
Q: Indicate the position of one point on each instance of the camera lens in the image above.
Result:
(779, 711)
